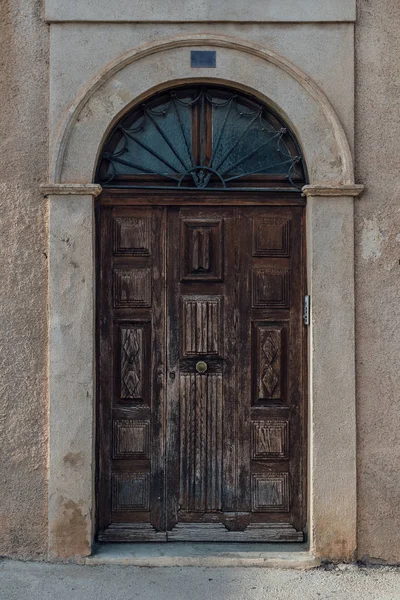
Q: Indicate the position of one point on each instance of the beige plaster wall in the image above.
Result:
(377, 278)
(23, 279)
(23, 266)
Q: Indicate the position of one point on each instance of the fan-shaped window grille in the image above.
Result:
(201, 137)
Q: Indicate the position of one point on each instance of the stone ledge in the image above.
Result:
(184, 554)
(156, 11)
(354, 190)
(70, 189)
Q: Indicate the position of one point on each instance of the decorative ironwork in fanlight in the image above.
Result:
(202, 137)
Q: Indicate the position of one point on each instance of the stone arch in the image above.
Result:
(136, 75)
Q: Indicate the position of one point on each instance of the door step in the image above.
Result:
(201, 532)
(217, 532)
(185, 554)
(131, 532)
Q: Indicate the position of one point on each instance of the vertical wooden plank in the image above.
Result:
(244, 372)
(210, 437)
(296, 374)
(204, 382)
(227, 429)
(183, 466)
(158, 385)
(174, 382)
(104, 368)
(219, 444)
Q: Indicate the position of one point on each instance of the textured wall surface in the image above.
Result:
(23, 277)
(377, 278)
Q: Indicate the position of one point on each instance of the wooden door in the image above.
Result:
(201, 401)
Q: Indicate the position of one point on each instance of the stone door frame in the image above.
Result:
(330, 195)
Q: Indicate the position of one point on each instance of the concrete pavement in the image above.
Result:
(43, 581)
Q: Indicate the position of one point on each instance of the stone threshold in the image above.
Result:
(204, 554)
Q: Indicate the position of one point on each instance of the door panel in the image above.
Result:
(234, 455)
(131, 374)
(217, 454)
(271, 422)
(200, 314)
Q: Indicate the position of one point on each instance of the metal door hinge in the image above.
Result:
(306, 310)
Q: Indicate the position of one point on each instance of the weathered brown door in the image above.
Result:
(201, 392)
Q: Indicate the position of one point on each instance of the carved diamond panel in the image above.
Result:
(270, 492)
(270, 440)
(132, 236)
(133, 375)
(201, 249)
(270, 288)
(132, 288)
(130, 492)
(201, 322)
(131, 438)
(268, 348)
(271, 237)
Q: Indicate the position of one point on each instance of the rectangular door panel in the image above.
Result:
(269, 360)
(201, 325)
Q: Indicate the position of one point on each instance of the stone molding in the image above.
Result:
(192, 11)
(71, 189)
(199, 40)
(330, 191)
(94, 189)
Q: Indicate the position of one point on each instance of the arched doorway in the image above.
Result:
(128, 80)
(202, 393)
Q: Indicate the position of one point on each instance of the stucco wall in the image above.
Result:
(23, 279)
(377, 278)
(23, 276)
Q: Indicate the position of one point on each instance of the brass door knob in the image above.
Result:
(201, 366)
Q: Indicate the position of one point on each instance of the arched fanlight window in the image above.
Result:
(203, 137)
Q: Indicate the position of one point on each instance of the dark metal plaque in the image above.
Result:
(203, 59)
